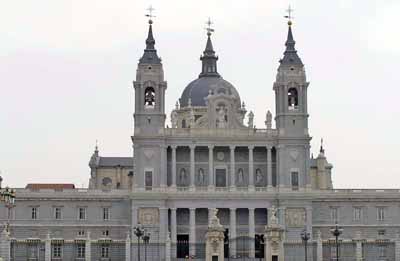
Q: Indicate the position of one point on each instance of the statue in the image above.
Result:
(268, 120)
(259, 177)
(174, 119)
(240, 177)
(182, 176)
(221, 117)
(251, 119)
(191, 119)
(273, 220)
(200, 177)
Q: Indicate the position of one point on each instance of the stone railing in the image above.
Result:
(206, 132)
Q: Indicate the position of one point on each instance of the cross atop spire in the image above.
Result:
(208, 28)
(150, 13)
(289, 15)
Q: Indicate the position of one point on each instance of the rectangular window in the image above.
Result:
(295, 180)
(334, 214)
(148, 176)
(81, 232)
(106, 213)
(57, 213)
(105, 249)
(82, 213)
(57, 250)
(220, 178)
(357, 214)
(380, 213)
(106, 233)
(81, 249)
(34, 213)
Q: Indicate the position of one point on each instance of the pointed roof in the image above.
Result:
(209, 59)
(290, 56)
(150, 53)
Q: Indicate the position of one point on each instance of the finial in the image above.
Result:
(97, 146)
(150, 14)
(289, 15)
(322, 146)
(208, 28)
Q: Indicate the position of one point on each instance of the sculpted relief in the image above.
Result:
(148, 216)
(295, 217)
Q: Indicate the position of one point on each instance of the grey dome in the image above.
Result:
(199, 89)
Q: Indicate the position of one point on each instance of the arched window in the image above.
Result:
(106, 181)
(149, 97)
(293, 98)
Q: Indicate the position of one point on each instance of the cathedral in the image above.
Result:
(270, 199)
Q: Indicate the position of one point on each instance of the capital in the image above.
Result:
(250, 147)
(210, 147)
(192, 146)
(173, 147)
(232, 147)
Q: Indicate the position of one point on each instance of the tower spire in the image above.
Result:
(209, 59)
(150, 53)
(290, 56)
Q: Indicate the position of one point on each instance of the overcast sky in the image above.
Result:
(67, 66)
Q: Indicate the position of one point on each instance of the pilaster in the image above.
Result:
(173, 167)
(211, 179)
(232, 167)
(192, 166)
(88, 248)
(128, 247)
(192, 231)
(319, 246)
(47, 248)
(251, 168)
(232, 231)
(252, 233)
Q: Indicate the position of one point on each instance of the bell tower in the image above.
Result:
(149, 90)
(292, 118)
(291, 92)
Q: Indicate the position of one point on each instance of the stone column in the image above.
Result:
(192, 231)
(309, 220)
(252, 233)
(173, 232)
(251, 168)
(134, 215)
(128, 247)
(5, 244)
(173, 167)
(47, 248)
(88, 250)
(163, 222)
(269, 167)
(163, 169)
(211, 178)
(232, 172)
(397, 246)
(192, 167)
(232, 231)
(168, 248)
(319, 246)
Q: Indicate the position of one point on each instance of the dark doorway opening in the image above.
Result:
(259, 246)
(226, 243)
(182, 246)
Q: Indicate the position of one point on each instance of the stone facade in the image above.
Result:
(207, 159)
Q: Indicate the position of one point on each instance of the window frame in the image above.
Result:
(84, 212)
(380, 213)
(81, 250)
(55, 213)
(34, 212)
(334, 214)
(105, 251)
(56, 251)
(106, 213)
(360, 214)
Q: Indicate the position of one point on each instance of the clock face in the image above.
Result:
(220, 156)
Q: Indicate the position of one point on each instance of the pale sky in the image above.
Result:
(67, 66)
